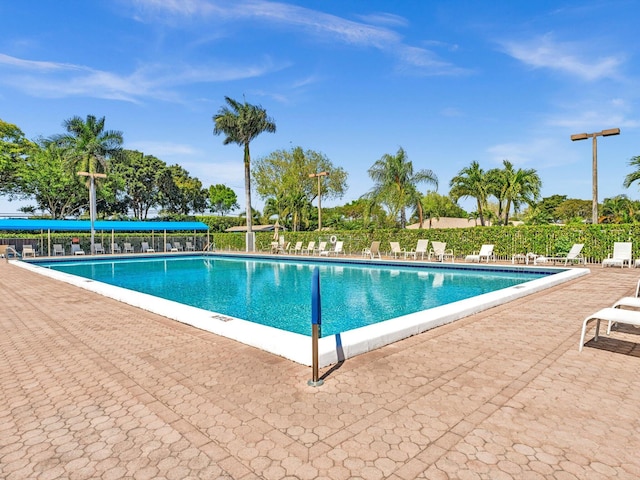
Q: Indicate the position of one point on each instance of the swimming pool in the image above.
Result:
(417, 285)
(277, 293)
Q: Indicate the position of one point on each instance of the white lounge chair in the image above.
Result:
(308, 249)
(621, 255)
(178, 246)
(337, 249)
(58, 249)
(421, 249)
(373, 251)
(396, 250)
(98, 248)
(76, 250)
(128, 248)
(146, 248)
(28, 251)
(439, 252)
(574, 255)
(611, 315)
(322, 248)
(486, 252)
(115, 248)
(189, 247)
(297, 248)
(170, 248)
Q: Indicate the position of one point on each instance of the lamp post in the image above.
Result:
(318, 175)
(92, 201)
(595, 135)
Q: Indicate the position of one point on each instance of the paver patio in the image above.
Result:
(92, 388)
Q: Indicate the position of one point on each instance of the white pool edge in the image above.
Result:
(296, 347)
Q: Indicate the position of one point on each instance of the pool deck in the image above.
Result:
(93, 388)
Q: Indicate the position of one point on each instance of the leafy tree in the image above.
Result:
(396, 184)
(181, 193)
(619, 209)
(241, 123)
(521, 186)
(572, 208)
(222, 199)
(143, 177)
(45, 178)
(435, 205)
(14, 148)
(283, 177)
(549, 204)
(472, 182)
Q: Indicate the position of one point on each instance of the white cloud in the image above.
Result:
(162, 149)
(536, 153)
(59, 80)
(546, 52)
(311, 22)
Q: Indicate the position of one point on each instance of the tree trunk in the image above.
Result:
(247, 193)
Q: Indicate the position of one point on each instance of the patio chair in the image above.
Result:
(128, 248)
(308, 249)
(373, 251)
(322, 247)
(611, 315)
(145, 248)
(396, 250)
(486, 252)
(98, 248)
(170, 248)
(28, 251)
(115, 248)
(421, 249)
(337, 249)
(76, 250)
(178, 246)
(297, 248)
(58, 249)
(439, 252)
(621, 255)
(189, 247)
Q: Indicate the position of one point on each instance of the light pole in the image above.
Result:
(318, 176)
(595, 135)
(92, 201)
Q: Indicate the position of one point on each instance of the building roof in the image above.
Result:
(255, 228)
(448, 222)
(99, 225)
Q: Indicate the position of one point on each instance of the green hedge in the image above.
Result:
(544, 239)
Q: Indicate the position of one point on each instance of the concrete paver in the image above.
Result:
(92, 388)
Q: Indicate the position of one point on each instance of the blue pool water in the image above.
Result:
(278, 292)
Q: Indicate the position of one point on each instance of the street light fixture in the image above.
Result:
(318, 176)
(92, 201)
(595, 135)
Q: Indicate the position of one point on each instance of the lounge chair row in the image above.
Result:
(437, 252)
(280, 246)
(625, 311)
(58, 249)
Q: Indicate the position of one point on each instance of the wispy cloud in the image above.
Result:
(163, 149)
(536, 153)
(374, 32)
(59, 80)
(566, 57)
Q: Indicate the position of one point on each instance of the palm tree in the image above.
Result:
(89, 147)
(472, 182)
(241, 123)
(521, 186)
(396, 184)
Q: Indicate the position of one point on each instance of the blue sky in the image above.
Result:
(449, 81)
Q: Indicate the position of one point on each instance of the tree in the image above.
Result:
(222, 199)
(520, 186)
(182, 193)
(435, 205)
(472, 182)
(396, 184)
(283, 177)
(547, 207)
(572, 208)
(14, 148)
(241, 123)
(619, 209)
(45, 178)
(634, 176)
(143, 177)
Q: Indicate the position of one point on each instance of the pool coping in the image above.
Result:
(331, 349)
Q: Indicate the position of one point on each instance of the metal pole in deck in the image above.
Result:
(316, 321)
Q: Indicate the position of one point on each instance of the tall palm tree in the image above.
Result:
(241, 123)
(521, 186)
(88, 146)
(396, 184)
(472, 182)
